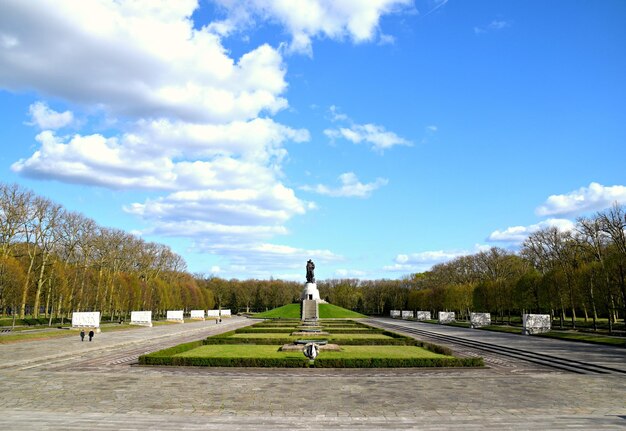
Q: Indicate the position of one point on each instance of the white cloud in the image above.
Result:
(596, 197)
(495, 25)
(517, 234)
(350, 273)
(45, 118)
(138, 58)
(350, 187)
(375, 135)
(263, 260)
(305, 20)
(422, 261)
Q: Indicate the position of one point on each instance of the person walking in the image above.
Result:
(90, 335)
(82, 335)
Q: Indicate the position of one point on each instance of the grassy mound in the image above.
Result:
(330, 311)
(292, 311)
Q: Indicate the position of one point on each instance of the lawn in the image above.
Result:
(292, 311)
(239, 351)
(289, 311)
(386, 352)
(312, 335)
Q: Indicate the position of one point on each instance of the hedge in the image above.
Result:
(225, 362)
(322, 362)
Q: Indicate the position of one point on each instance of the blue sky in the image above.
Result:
(375, 137)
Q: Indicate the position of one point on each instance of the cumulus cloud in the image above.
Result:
(517, 234)
(374, 135)
(264, 260)
(186, 119)
(350, 187)
(595, 197)
(45, 118)
(422, 261)
(305, 20)
(139, 58)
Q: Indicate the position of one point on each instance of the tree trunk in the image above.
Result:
(25, 291)
(40, 281)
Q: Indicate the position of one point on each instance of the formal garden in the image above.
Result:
(344, 343)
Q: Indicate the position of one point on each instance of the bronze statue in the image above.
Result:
(310, 267)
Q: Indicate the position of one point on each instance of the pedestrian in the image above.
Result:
(90, 335)
(82, 335)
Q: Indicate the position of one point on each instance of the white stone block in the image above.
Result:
(86, 319)
(226, 312)
(213, 313)
(143, 318)
(478, 320)
(423, 315)
(176, 315)
(395, 314)
(446, 317)
(197, 314)
(407, 314)
(536, 323)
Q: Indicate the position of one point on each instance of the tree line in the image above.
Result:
(54, 261)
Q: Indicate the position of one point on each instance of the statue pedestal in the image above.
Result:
(310, 292)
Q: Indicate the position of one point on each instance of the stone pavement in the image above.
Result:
(60, 395)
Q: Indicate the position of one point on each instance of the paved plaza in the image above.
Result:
(61, 384)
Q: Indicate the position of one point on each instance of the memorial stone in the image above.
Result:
(478, 320)
(197, 314)
(86, 319)
(143, 318)
(446, 317)
(395, 314)
(407, 314)
(175, 316)
(536, 324)
(423, 315)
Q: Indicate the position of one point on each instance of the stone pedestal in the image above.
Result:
(310, 292)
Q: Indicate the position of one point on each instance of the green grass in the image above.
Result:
(586, 338)
(330, 311)
(31, 336)
(289, 311)
(292, 311)
(393, 352)
(239, 351)
(265, 335)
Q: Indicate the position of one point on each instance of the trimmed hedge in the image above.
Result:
(226, 362)
(321, 362)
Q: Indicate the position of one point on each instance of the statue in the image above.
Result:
(311, 350)
(310, 276)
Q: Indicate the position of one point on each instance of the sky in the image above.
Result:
(376, 137)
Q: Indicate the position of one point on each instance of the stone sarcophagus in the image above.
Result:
(407, 314)
(478, 320)
(86, 319)
(536, 323)
(197, 314)
(423, 315)
(175, 315)
(143, 318)
(446, 317)
(395, 314)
